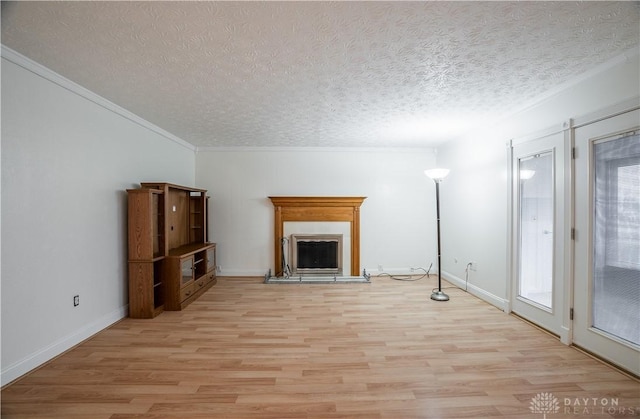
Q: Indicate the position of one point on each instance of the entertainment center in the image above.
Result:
(171, 263)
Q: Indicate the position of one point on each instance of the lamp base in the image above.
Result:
(439, 296)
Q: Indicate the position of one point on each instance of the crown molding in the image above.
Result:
(267, 149)
(615, 61)
(52, 76)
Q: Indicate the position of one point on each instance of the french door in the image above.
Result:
(538, 242)
(607, 239)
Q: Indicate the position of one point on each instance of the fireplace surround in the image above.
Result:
(322, 209)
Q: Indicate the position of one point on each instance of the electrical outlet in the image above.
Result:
(218, 268)
(380, 268)
(474, 266)
(413, 269)
(76, 300)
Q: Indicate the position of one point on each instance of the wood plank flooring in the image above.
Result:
(382, 350)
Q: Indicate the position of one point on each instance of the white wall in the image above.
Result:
(66, 162)
(475, 212)
(397, 218)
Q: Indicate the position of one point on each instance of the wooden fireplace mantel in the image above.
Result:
(317, 208)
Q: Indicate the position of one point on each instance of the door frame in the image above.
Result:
(568, 128)
(564, 164)
(625, 359)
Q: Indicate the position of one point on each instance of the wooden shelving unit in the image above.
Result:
(171, 263)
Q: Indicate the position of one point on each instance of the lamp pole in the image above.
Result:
(437, 175)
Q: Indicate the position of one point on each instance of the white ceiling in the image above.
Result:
(336, 74)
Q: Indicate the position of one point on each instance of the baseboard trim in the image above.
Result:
(370, 271)
(243, 272)
(37, 359)
(501, 303)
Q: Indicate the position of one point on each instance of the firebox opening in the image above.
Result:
(316, 254)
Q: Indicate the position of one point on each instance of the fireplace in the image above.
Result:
(316, 254)
(317, 209)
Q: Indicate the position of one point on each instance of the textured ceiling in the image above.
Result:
(350, 74)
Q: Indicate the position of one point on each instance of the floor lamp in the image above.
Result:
(437, 175)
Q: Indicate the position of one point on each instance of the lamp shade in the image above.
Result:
(526, 174)
(437, 174)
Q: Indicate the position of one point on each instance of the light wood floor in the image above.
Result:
(380, 350)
